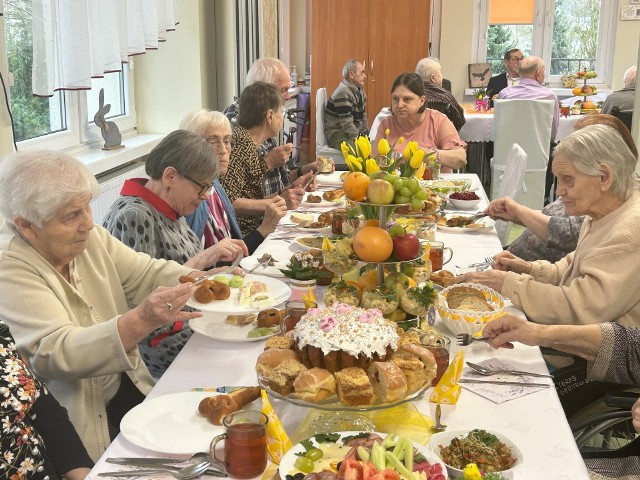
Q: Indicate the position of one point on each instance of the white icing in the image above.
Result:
(349, 334)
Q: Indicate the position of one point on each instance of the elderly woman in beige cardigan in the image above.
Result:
(596, 282)
(67, 290)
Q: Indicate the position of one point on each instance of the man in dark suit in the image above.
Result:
(511, 77)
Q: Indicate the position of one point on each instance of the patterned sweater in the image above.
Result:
(443, 101)
(345, 116)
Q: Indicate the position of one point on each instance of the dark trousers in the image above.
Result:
(127, 397)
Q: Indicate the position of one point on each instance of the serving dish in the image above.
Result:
(463, 204)
(464, 321)
(482, 225)
(332, 179)
(322, 203)
(219, 329)
(308, 242)
(444, 439)
(446, 186)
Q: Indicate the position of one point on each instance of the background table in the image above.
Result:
(536, 422)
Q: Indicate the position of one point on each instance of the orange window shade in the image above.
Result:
(511, 12)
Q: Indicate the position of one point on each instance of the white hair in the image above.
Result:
(36, 185)
(266, 70)
(426, 67)
(630, 76)
(350, 66)
(200, 121)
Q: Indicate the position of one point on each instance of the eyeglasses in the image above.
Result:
(204, 188)
(228, 143)
(516, 59)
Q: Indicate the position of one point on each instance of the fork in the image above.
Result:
(490, 260)
(464, 339)
(262, 261)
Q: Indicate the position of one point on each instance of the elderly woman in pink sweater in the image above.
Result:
(596, 282)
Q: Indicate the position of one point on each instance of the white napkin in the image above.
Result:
(500, 393)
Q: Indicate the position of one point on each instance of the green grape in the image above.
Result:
(398, 184)
(420, 195)
(402, 199)
(390, 178)
(413, 185)
(416, 204)
(405, 192)
(314, 454)
(304, 464)
(396, 230)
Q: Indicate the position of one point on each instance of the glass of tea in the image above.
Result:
(245, 443)
(293, 312)
(439, 345)
(437, 255)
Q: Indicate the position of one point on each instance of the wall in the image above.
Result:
(299, 47)
(626, 52)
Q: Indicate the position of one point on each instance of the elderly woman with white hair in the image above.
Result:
(67, 291)
(215, 218)
(596, 177)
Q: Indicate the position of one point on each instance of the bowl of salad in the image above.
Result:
(491, 451)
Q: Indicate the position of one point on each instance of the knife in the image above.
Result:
(229, 269)
(498, 382)
(135, 473)
(145, 460)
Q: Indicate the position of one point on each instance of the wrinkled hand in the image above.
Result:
(274, 210)
(504, 208)
(491, 278)
(278, 156)
(154, 310)
(227, 250)
(635, 414)
(508, 262)
(302, 180)
(236, 271)
(293, 196)
(509, 328)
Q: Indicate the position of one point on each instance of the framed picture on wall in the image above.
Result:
(479, 74)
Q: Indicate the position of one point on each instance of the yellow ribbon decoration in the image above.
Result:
(447, 390)
(278, 442)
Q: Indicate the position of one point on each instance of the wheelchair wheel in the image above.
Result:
(604, 433)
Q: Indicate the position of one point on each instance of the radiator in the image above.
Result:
(110, 190)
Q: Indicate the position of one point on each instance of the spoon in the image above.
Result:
(183, 473)
(493, 371)
(438, 427)
(149, 461)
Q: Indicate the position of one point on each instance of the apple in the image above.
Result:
(406, 247)
(380, 192)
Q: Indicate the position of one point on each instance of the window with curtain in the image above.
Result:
(569, 35)
(62, 52)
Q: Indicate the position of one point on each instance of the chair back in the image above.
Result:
(527, 123)
(626, 116)
(511, 184)
(322, 149)
(373, 131)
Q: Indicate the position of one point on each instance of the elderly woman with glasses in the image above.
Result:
(68, 288)
(596, 177)
(149, 217)
(215, 218)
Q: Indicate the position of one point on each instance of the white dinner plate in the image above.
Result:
(323, 203)
(279, 290)
(307, 247)
(170, 424)
(332, 179)
(218, 329)
(287, 462)
(487, 223)
(268, 271)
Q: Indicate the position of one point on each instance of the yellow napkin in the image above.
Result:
(447, 391)
(278, 442)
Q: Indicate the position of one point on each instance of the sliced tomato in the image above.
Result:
(433, 471)
(368, 470)
(350, 469)
(386, 474)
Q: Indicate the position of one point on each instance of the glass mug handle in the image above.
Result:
(212, 450)
(447, 249)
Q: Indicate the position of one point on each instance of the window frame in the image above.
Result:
(543, 33)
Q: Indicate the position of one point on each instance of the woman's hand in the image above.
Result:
(635, 415)
(504, 208)
(491, 278)
(77, 474)
(226, 250)
(509, 328)
(274, 210)
(508, 262)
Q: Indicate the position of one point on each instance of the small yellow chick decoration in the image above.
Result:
(471, 472)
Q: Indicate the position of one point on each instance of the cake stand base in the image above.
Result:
(342, 422)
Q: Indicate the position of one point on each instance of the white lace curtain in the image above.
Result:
(74, 40)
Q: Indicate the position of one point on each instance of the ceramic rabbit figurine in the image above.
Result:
(110, 131)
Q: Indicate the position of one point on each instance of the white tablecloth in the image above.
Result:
(536, 422)
(479, 127)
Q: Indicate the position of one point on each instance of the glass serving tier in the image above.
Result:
(332, 404)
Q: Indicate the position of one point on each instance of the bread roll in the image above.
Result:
(215, 408)
(388, 382)
(425, 356)
(301, 217)
(314, 385)
(270, 359)
(269, 318)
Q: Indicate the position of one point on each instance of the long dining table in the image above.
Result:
(535, 422)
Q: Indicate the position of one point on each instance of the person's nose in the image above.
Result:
(87, 220)
(285, 95)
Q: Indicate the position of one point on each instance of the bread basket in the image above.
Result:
(462, 321)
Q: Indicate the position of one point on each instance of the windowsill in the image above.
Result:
(100, 161)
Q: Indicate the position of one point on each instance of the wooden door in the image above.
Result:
(398, 38)
(340, 31)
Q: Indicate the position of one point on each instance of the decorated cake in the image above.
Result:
(343, 336)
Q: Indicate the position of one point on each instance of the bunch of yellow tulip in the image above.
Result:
(360, 157)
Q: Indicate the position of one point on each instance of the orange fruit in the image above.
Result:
(355, 186)
(371, 223)
(577, 91)
(368, 280)
(372, 244)
(588, 105)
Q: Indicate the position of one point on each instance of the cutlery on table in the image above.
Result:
(494, 371)
(229, 269)
(181, 473)
(438, 427)
(141, 461)
(262, 261)
(464, 339)
(498, 382)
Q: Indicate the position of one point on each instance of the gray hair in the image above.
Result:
(266, 70)
(185, 151)
(594, 145)
(36, 185)
(350, 66)
(530, 65)
(427, 67)
(630, 76)
(201, 120)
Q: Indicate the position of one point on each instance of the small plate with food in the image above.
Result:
(323, 199)
(249, 294)
(240, 328)
(334, 179)
(446, 186)
(457, 448)
(309, 242)
(324, 451)
(464, 224)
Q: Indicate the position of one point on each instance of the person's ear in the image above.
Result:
(25, 227)
(606, 177)
(269, 116)
(423, 99)
(169, 175)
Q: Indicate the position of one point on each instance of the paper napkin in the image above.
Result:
(278, 442)
(447, 390)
